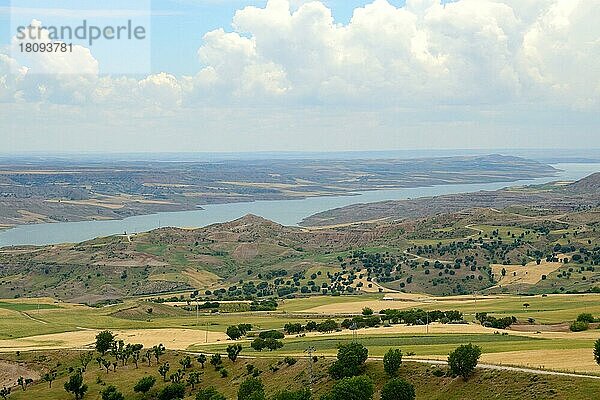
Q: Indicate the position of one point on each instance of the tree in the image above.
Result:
(144, 385)
(105, 364)
(21, 382)
(350, 360)
(586, 317)
(104, 341)
(50, 377)
(76, 386)
(233, 332)
(186, 362)
(367, 311)
(216, 361)
(352, 388)
(463, 360)
(273, 344)
(297, 395)
(111, 393)
(244, 328)
(158, 351)
(258, 344)
(251, 389)
(163, 370)
(135, 350)
(193, 379)
(397, 389)
(173, 391)
(85, 358)
(177, 376)
(392, 360)
(233, 351)
(209, 393)
(526, 305)
(597, 351)
(4, 392)
(201, 359)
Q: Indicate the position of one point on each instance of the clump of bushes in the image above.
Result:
(579, 326)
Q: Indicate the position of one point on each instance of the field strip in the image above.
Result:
(33, 318)
(505, 368)
(174, 339)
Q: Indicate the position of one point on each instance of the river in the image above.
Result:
(286, 212)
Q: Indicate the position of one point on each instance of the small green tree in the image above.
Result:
(463, 360)
(273, 344)
(597, 351)
(186, 362)
(251, 389)
(163, 370)
(158, 351)
(111, 393)
(193, 379)
(201, 359)
(392, 360)
(233, 332)
(76, 386)
(351, 358)
(50, 377)
(104, 341)
(233, 351)
(144, 385)
(367, 311)
(586, 317)
(397, 389)
(352, 388)
(216, 361)
(85, 358)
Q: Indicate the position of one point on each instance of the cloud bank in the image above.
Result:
(472, 54)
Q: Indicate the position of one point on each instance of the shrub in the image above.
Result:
(298, 395)
(111, 393)
(144, 385)
(397, 389)
(354, 388)
(579, 326)
(597, 351)
(174, 391)
(463, 360)
(251, 389)
(209, 393)
(290, 361)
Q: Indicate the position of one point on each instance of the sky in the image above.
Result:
(279, 75)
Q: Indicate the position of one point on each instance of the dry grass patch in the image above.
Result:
(10, 372)
(175, 339)
(572, 360)
(529, 274)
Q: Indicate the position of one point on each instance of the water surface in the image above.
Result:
(286, 212)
